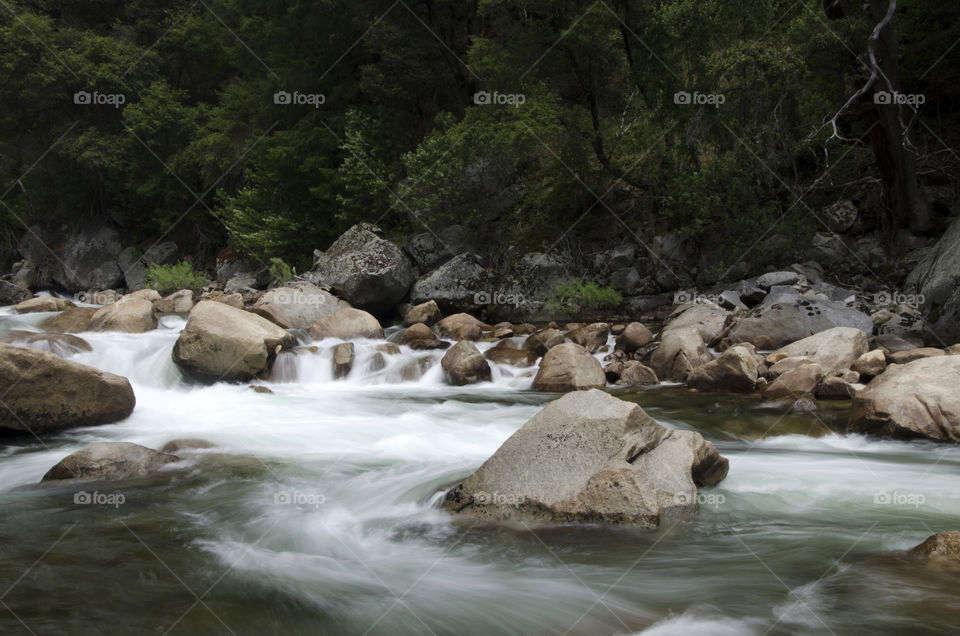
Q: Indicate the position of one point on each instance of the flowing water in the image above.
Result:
(316, 514)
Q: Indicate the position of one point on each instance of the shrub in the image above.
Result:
(581, 295)
(280, 271)
(167, 279)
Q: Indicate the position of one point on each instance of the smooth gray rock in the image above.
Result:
(590, 457)
(114, 461)
(460, 285)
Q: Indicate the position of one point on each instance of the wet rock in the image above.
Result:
(73, 320)
(734, 371)
(870, 364)
(680, 352)
(592, 336)
(568, 367)
(179, 302)
(796, 384)
(60, 344)
(45, 393)
(462, 327)
(112, 461)
(427, 313)
(635, 373)
(186, 444)
(42, 304)
(834, 349)
(347, 324)
(786, 316)
(220, 342)
(297, 305)
(544, 340)
(130, 314)
(940, 551)
(918, 399)
(343, 357)
(463, 364)
(589, 457)
(905, 357)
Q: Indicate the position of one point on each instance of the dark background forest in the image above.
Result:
(269, 127)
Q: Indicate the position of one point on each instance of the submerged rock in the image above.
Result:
(224, 343)
(590, 457)
(45, 393)
(111, 461)
(940, 551)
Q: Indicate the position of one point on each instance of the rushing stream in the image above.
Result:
(315, 514)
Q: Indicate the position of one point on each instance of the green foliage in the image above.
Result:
(280, 271)
(582, 295)
(167, 279)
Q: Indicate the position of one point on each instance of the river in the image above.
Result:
(316, 514)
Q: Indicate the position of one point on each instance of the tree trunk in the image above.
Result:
(891, 138)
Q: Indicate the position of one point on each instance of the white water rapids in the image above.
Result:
(315, 514)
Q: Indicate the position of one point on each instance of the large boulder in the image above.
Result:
(463, 364)
(735, 371)
(365, 269)
(568, 367)
(834, 349)
(130, 314)
(786, 316)
(112, 461)
(135, 264)
(45, 393)
(680, 352)
(42, 304)
(297, 305)
(590, 457)
(11, 294)
(914, 400)
(459, 285)
(73, 258)
(346, 324)
(221, 342)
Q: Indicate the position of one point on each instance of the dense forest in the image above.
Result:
(274, 126)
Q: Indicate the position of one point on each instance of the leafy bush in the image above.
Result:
(280, 271)
(167, 279)
(581, 295)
